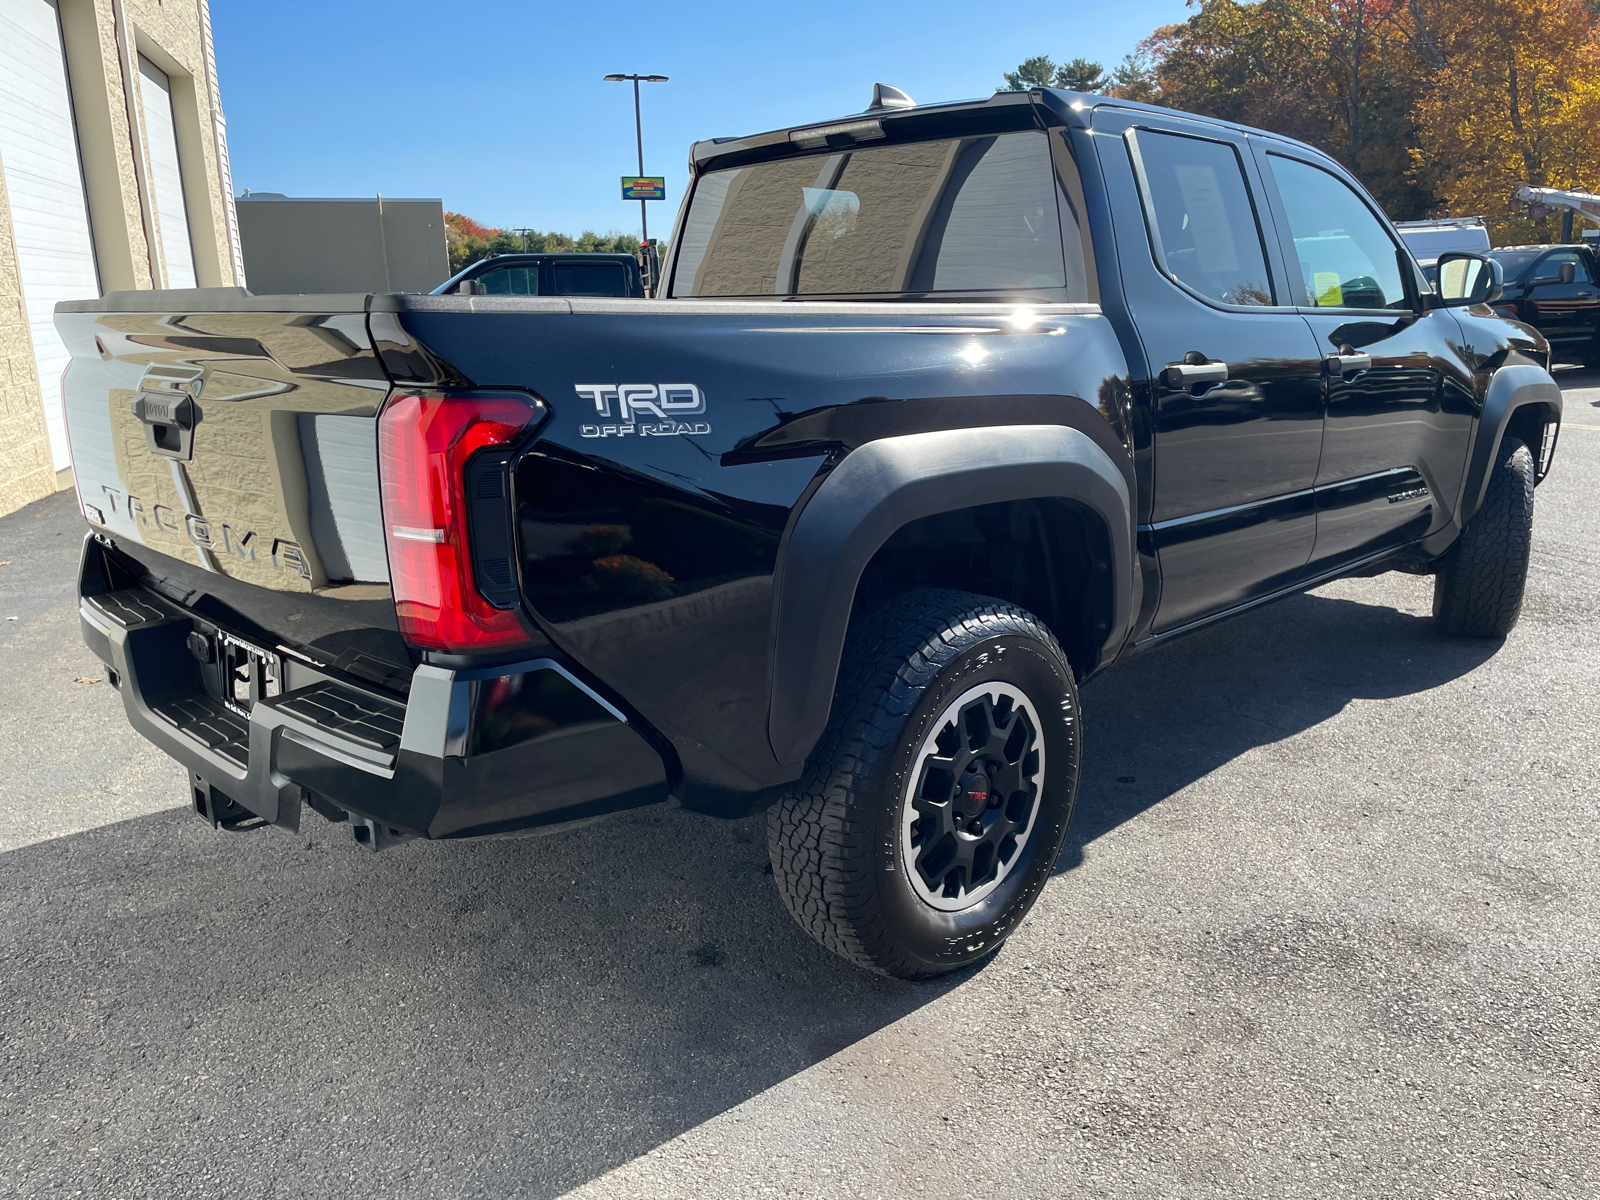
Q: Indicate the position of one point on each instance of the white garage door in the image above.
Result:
(166, 178)
(39, 150)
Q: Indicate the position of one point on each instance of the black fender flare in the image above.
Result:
(1514, 386)
(876, 490)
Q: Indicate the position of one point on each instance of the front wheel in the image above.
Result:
(1478, 591)
(931, 812)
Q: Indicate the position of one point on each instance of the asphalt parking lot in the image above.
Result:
(1325, 925)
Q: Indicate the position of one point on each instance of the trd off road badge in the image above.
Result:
(646, 409)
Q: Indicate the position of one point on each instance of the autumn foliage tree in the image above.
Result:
(467, 241)
(1437, 106)
(1341, 74)
(1516, 102)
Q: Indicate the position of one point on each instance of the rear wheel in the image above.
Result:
(1478, 592)
(931, 812)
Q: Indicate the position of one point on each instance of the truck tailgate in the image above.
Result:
(234, 454)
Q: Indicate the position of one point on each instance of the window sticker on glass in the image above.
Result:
(1207, 238)
(1206, 215)
(1325, 286)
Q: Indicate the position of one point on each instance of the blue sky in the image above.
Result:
(498, 107)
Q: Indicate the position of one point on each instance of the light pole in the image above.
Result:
(638, 130)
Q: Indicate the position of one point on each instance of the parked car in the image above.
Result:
(1555, 290)
(573, 274)
(1427, 240)
(946, 409)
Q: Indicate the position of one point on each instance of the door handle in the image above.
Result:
(1180, 375)
(1343, 364)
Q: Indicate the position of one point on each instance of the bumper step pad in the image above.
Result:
(128, 608)
(210, 723)
(347, 714)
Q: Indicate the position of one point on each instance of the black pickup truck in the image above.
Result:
(1556, 290)
(550, 274)
(943, 410)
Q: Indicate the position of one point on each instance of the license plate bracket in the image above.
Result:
(248, 674)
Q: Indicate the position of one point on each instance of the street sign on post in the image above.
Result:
(641, 187)
(644, 187)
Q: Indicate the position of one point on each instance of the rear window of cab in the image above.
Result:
(958, 215)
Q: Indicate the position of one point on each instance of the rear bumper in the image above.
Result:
(467, 753)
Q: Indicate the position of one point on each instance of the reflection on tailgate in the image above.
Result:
(242, 443)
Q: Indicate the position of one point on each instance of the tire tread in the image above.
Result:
(1479, 591)
(820, 835)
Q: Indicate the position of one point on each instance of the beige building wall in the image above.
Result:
(26, 471)
(103, 40)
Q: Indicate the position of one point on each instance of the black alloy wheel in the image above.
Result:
(931, 812)
(975, 792)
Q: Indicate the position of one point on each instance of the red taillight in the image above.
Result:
(424, 442)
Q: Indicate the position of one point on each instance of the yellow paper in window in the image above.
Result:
(1325, 286)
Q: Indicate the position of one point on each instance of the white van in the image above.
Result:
(1427, 240)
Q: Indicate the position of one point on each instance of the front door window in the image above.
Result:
(1347, 258)
(511, 281)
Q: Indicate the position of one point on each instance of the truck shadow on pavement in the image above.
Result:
(296, 1017)
(1160, 721)
(291, 1016)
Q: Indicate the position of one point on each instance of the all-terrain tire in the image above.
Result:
(1478, 591)
(839, 839)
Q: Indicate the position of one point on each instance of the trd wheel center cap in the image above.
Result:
(974, 796)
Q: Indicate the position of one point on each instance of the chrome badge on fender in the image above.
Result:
(646, 409)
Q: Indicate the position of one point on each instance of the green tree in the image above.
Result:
(1081, 75)
(612, 242)
(1075, 75)
(1037, 72)
(1135, 77)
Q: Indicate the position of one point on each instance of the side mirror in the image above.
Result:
(1465, 279)
(469, 287)
(1566, 273)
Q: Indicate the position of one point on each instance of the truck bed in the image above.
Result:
(645, 548)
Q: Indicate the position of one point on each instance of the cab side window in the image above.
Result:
(1347, 258)
(511, 281)
(1551, 266)
(1203, 225)
(590, 279)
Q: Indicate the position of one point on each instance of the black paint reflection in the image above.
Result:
(1400, 426)
(508, 710)
(596, 541)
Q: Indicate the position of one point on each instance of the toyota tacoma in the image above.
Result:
(942, 410)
